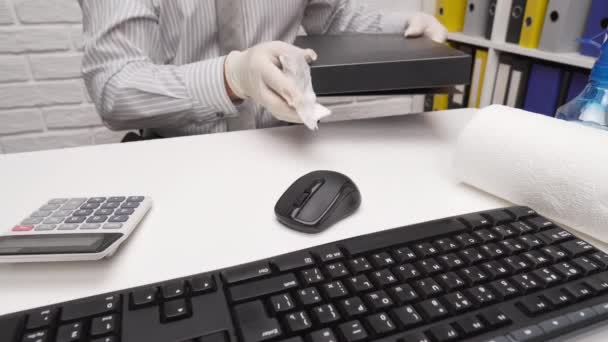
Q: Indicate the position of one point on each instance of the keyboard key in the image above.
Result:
(472, 275)
(576, 247)
(335, 289)
(555, 235)
(581, 316)
(68, 226)
(407, 316)
(175, 310)
(556, 297)
(597, 283)
(535, 258)
(450, 281)
(96, 200)
(75, 219)
(263, 287)
(585, 265)
(485, 235)
(336, 270)
(403, 294)
(471, 256)
(475, 221)
(172, 289)
(539, 222)
(89, 206)
(312, 276)
(40, 318)
(353, 331)
(534, 305)
(293, 261)
(298, 321)
(492, 251)
(516, 264)
(246, 272)
(554, 253)
(90, 307)
(31, 221)
(511, 246)
(578, 291)
(326, 313)
(525, 282)
(381, 260)
(499, 216)
(451, 261)
(443, 333)
(112, 226)
(601, 258)
(457, 302)
(103, 325)
(35, 336)
(446, 245)
(119, 219)
(360, 283)
(309, 296)
(325, 335)
(69, 333)
(504, 289)
(254, 323)
(49, 207)
(58, 201)
(555, 324)
(378, 300)
(383, 278)
(328, 253)
(523, 227)
(53, 220)
(566, 270)
(404, 254)
(202, 284)
(416, 337)
(406, 272)
(505, 231)
(526, 334)
(98, 219)
(466, 240)
(380, 323)
(110, 205)
(425, 250)
(481, 295)
(46, 227)
(143, 297)
(470, 326)
(432, 309)
(104, 212)
(82, 212)
(427, 287)
(547, 277)
(359, 265)
(353, 306)
(495, 318)
(282, 303)
(494, 269)
(22, 228)
(521, 212)
(130, 205)
(531, 241)
(124, 211)
(429, 266)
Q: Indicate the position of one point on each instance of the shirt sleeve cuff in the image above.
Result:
(205, 82)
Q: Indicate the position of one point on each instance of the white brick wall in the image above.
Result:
(43, 101)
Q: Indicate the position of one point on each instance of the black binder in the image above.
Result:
(376, 63)
(516, 21)
(491, 14)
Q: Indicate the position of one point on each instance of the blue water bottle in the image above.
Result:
(591, 106)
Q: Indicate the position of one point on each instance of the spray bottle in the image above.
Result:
(591, 106)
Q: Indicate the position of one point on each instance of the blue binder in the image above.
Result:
(577, 84)
(543, 89)
(596, 22)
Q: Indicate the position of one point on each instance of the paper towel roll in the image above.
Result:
(558, 168)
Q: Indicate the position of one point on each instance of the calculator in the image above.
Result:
(74, 229)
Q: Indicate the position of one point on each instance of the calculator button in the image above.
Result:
(112, 226)
(53, 220)
(90, 226)
(22, 228)
(62, 213)
(71, 206)
(135, 199)
(104, 212)
(90, 206)
(83, 212)
(97, 219)
(58, 201)
(110, 205)
(41, 213)
(32, 220)
(46, 227)
(96, 200)
(121, 218)
(126, 211)
(50, 207)
(75, 219)
(116, 199)
(130, 205)
(69, 226)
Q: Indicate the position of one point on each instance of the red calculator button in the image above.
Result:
(22, 228)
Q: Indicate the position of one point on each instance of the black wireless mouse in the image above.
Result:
(317, 200)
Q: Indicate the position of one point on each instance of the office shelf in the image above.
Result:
(463, 38)
(573, 58)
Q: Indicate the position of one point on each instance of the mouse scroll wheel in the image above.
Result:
(301, 199)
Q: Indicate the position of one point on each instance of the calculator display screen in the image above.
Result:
(55, 243)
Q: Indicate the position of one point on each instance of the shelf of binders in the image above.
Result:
(570, 58)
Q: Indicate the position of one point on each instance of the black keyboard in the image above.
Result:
(501, 275)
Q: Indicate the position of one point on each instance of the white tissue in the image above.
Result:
(309, 111)
(558, 168)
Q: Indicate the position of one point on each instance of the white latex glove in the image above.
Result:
(422, 24)
(256, 74)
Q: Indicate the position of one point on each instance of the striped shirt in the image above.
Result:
(156, 64)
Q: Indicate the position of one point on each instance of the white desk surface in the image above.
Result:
(214, 197)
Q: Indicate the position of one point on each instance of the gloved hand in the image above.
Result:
(419, 24)
(256, 74)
